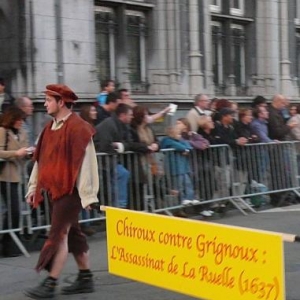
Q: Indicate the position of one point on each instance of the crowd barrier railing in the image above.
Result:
(12, 204)
(265, 169)
(159, 182)
(207, 172)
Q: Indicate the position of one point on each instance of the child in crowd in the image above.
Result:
(195, 139)
(198, 158)
(178, 165)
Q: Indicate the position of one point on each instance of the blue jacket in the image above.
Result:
(101, 98)
(260, 128)
(176, 163)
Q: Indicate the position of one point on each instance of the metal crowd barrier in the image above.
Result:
(156, 182)
(265, 169)
(123, 180)
(12, 204)
(209, 172)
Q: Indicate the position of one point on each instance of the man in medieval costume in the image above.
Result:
(65, 172)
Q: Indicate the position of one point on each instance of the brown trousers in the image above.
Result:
(64, 213)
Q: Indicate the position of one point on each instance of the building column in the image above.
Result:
(196, 75)
(267, 30)
(171, 45)
(121, 49)
(208, 74)
(159, 73)
(229, 61)
(286, 86)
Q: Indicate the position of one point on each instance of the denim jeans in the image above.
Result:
(120, 186)
(184, 184)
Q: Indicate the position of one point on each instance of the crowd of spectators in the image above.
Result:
(122, 125)
(208, 122)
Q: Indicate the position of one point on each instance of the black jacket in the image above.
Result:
(225, 135)
(113, 130)
(244, 130)
(208, 136)
(102, 114)
(278, 130)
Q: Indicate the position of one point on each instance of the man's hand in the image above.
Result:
(293, 124)
(92, 206)
(241, 141)
(186, 152)
(153, 147)
(166, 110)
(30, 199)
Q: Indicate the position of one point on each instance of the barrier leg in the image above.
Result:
(27, 216)
(19, 244)
(237, 201)
(296, 192)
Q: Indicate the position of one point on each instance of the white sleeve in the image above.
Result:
(32, 183)
(88, 178)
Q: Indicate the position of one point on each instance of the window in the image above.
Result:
(105, 43)
(237, 7)
(215, 6)
(229, 47)
(238, 50)
(136, 52)
(217, 56)
(236, 4)
(106, 25)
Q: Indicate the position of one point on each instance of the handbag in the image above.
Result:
(2, 162)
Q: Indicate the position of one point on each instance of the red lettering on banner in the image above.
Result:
(175, 240)
(222, 250)
(114, 253)
(224, 278)
(173, 266)
(188, 272)
(127, 229)
(145, 261)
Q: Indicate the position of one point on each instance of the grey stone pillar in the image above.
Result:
(121, 49)
(208, 74)
(267, 34)
(171, 45)
(286, 87)
(196, 75)
(159, 74)
(229, 61)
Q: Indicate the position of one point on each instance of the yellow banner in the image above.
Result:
(199, 259)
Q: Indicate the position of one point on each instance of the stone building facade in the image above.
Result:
(159, 49)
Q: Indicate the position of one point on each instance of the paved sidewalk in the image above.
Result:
(17, 273)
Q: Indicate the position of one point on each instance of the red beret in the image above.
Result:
(61, 90)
